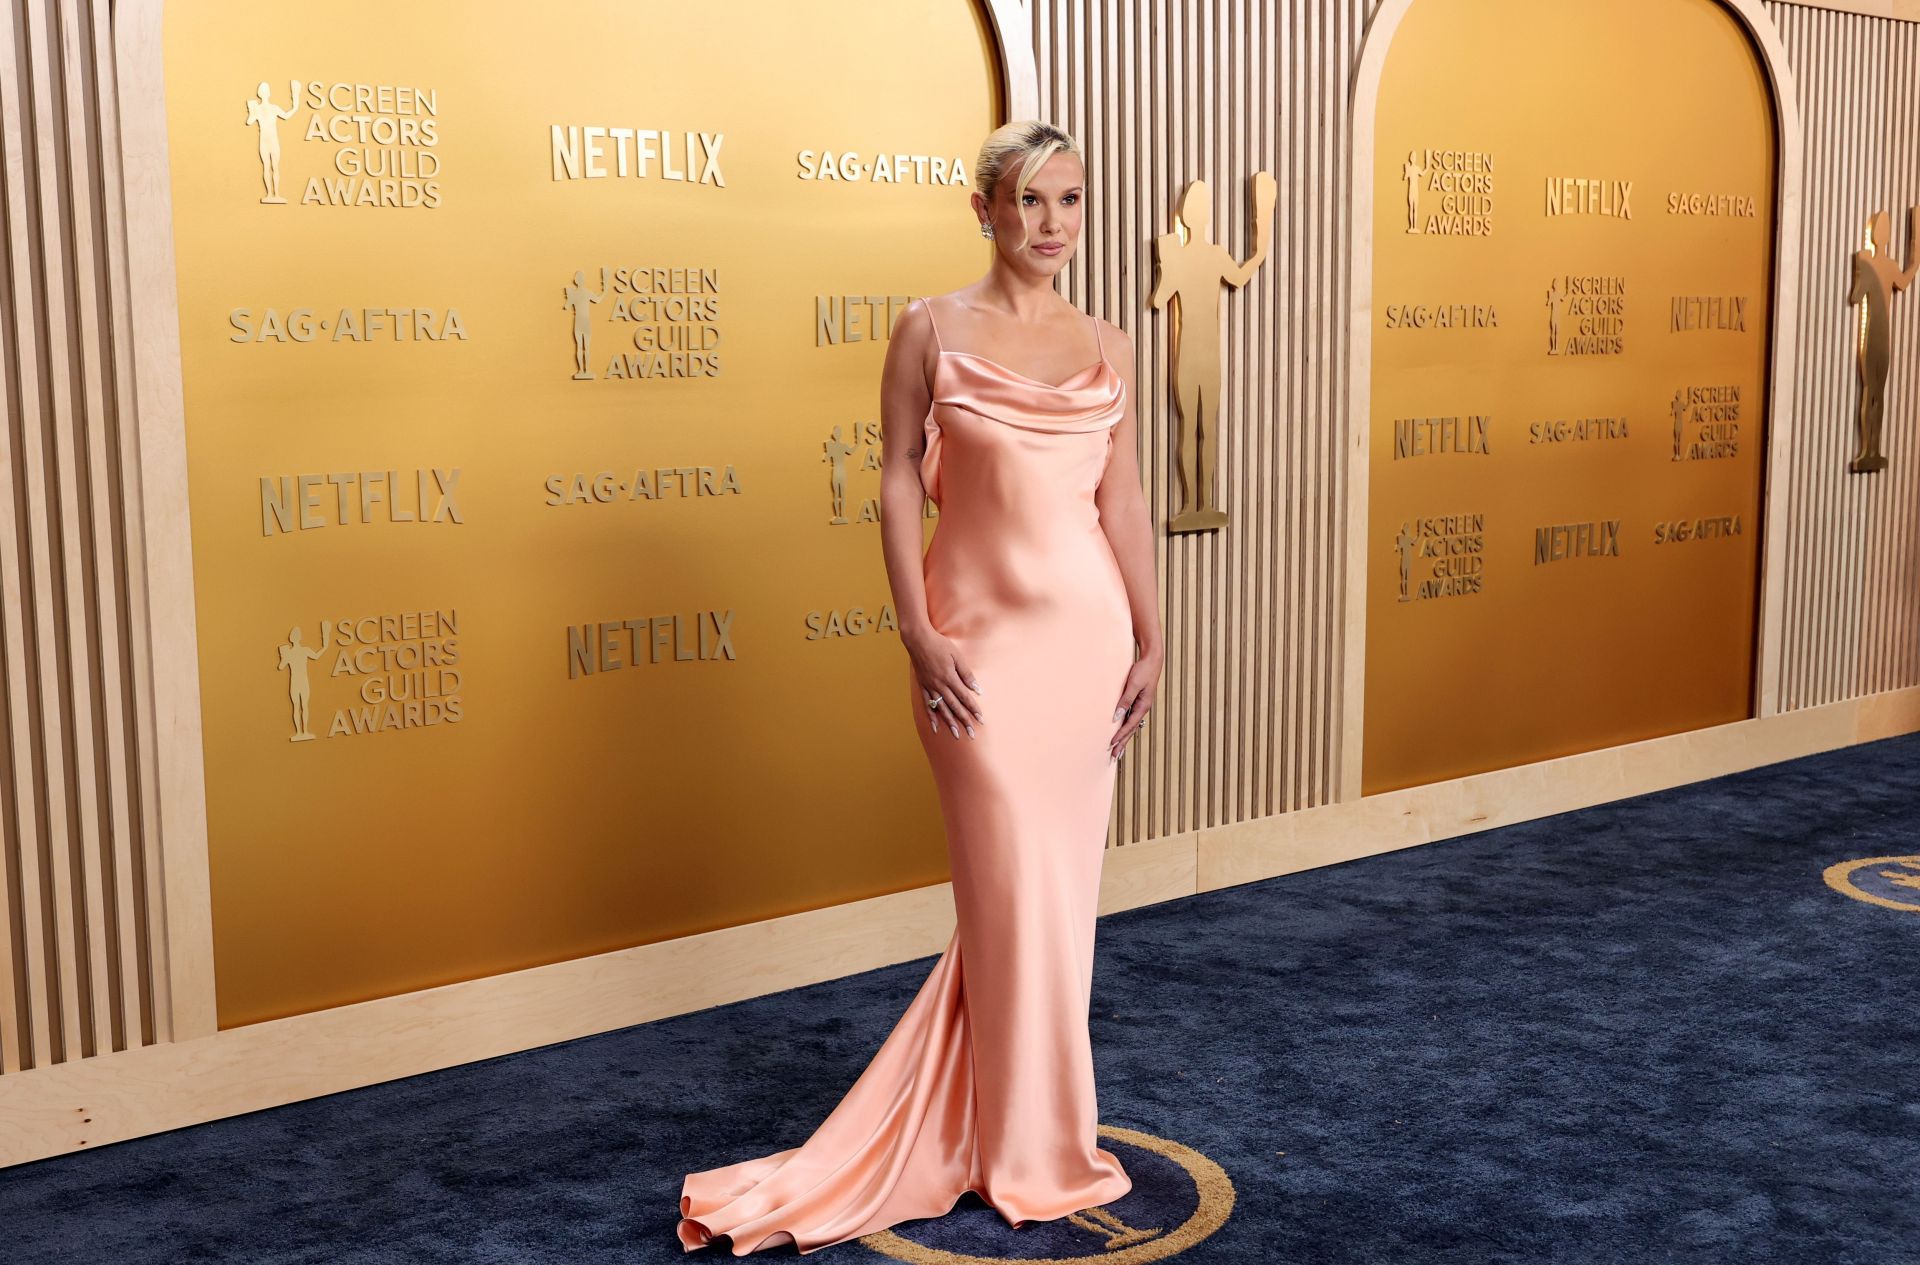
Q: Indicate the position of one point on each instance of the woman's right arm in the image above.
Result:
(905, 398)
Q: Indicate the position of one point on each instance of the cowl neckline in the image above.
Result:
(1088, 400)
(989, 360)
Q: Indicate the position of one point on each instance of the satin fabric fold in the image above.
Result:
(985, 1083)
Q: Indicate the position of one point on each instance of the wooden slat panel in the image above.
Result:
(85, 512)
(114, 964)
(1902, 628)
(1160, 93)
(24, 598)
(51, 526)
(14, 969)
(160, 584)
(76, 940)
(1891, 652)
(126, 653)
(1852, 624)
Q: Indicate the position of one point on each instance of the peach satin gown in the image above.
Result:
(986, 1081)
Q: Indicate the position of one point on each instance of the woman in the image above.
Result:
(1033, 629)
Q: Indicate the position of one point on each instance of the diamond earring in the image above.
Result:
(986, 230)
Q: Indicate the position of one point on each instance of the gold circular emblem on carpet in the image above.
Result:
(1903, 873)
(1123, 1244)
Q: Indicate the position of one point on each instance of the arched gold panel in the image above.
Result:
(1573, 231)
(533, 451)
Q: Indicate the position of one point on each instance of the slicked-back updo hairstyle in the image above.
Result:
(1019, 150)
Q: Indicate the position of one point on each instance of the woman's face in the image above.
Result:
(1050, 208)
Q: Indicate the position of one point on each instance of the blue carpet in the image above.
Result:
(1642, 1032)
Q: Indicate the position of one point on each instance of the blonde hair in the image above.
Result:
(1027, 143)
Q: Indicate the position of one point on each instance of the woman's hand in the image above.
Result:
(937, 666)
(1136, 700)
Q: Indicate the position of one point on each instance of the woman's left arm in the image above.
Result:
(1123, 516)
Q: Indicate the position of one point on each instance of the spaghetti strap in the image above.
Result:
(1098, 341)
(928, 301)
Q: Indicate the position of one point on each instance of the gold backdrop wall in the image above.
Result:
(1573, 232)
(593, 656)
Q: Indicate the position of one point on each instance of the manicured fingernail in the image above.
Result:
(955, 728)
(1118, 712)
(969, 731)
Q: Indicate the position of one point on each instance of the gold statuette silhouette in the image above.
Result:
(1413, 171)
(578, 299)
(265, 115)
(1192, 268)
(837, 451)
(295, 655)
(1876, 278)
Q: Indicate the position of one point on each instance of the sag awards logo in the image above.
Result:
(380, 141)
(1449, 192)
(858, 453)
(1441, 557)
(1706, 423)
(1890, 882)
(862, 454)
(1586, 316)
(392, 672)
(1179, 1198)
(669, 316)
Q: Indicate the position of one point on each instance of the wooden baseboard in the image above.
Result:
(1260, 849)
(87, 1103)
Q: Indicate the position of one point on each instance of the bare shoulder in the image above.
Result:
(920, 309)
(947, 301)
(1113, 336)
(916, 323)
